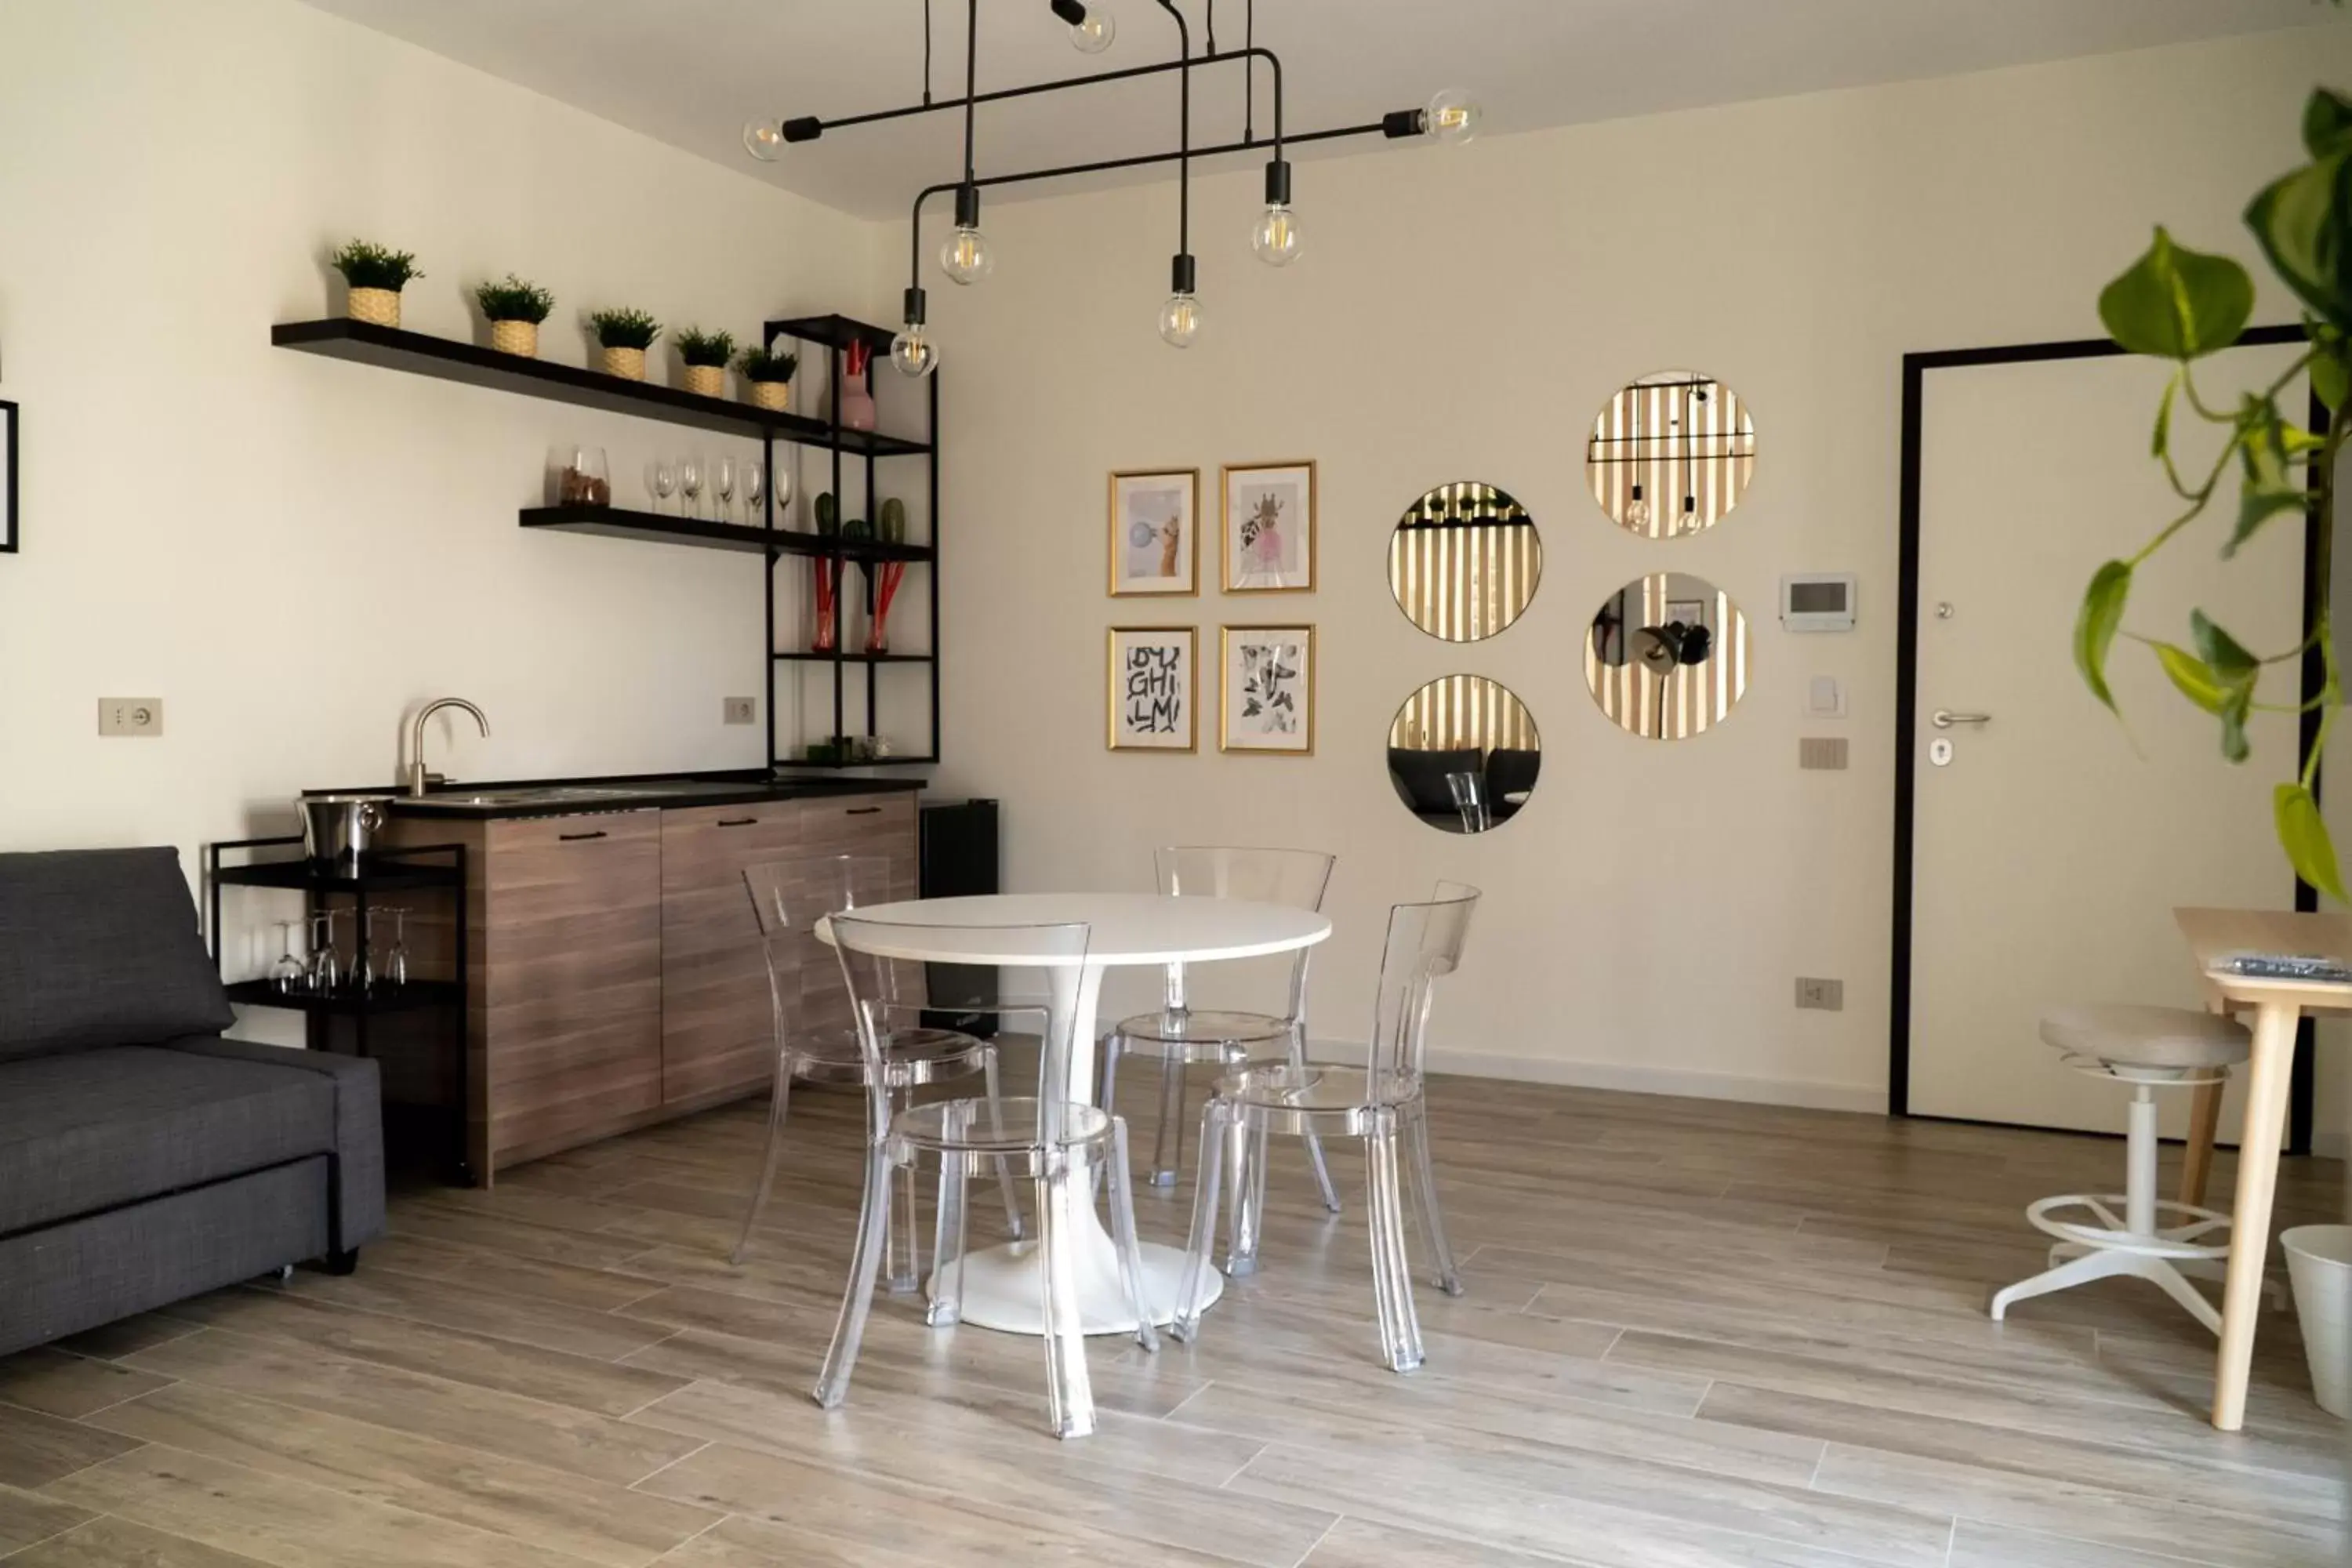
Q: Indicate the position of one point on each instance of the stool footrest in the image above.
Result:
(2183, 1241)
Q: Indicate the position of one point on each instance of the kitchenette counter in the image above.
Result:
(566, 797)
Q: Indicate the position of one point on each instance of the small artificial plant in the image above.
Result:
(764, 365)
(367, 266)
(624, 328)
(696, 346)
(514, 301)
(2179, 305)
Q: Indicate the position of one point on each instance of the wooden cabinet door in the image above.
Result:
(876, 824)
(571, 962)
(718, 1031)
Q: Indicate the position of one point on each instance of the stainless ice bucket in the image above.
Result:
(336, 828)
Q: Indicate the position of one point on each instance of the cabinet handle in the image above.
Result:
(575, 837)
(738, 821)
(863, 811)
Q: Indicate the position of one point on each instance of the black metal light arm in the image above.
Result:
(1183, 144)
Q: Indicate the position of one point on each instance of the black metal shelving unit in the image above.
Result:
(447, 359)
(428, 1132)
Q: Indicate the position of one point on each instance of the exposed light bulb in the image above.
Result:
(966, 255)
(1450, 116)
(1094, 34)
(764, 140)
(1180, 320)
(1275, 238)
(1637, 511)
(913, 351)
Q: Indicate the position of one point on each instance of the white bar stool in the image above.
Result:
(2149, 1049)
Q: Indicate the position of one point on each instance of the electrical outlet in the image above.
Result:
(1827, 995)
(130, 716)
(740, 710)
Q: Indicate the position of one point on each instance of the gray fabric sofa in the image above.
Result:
(144, 1158)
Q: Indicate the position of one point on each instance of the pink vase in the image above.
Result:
(855, 407)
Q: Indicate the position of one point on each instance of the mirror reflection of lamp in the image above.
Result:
(1664, 647)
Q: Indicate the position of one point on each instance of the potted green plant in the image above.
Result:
(770, 376)
(625, 336)
(514, 309)
(705, 356)
(375, 275)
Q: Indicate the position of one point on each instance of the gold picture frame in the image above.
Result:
(1123, 552)
(1247, 567)
(1121, 734)
(1296, 740)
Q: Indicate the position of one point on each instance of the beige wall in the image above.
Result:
(289, 550)
(1463, 314)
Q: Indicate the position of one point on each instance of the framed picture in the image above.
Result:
(1154, 671)
(7, 477)
(1266, 698)
(1689, 612)
(1269, 528)
(1155, 532)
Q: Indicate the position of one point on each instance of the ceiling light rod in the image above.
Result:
(809, 127)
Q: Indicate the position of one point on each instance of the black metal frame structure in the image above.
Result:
(1916, 367)
(9, 416)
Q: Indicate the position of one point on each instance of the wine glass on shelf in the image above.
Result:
(363, 957)
(661, 478)
(396, 963)
(690, 484)
(326, 970)
(781, 482)
(723, 484)
(287, 974)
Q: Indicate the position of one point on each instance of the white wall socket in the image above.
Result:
(130, 716)
(740, 710)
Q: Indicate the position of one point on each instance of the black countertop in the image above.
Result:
(633, 792)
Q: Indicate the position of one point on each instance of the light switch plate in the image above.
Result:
(740, 710)
(130, 716)
(1826, 995)
(1825, 698)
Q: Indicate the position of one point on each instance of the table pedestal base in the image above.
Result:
(1004, 1287)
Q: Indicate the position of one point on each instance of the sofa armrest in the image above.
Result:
(359, 1127)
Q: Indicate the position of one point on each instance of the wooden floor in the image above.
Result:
(1695, 1333)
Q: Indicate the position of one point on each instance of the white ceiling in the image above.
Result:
(690, 72)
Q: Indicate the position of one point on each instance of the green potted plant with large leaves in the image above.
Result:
(2180, 305)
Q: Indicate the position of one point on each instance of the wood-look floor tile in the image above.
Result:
(285, 1523)
(740, 1543)
(537, 1279)
(562, 1438)
(124, 1335)
(579, 1382)
(36, 1449)
(26, 1519)
(450, 1304)
(72, 1386)
(599, 1521)
(520, 1225)
(106, 1542)
(1976, 1545)
(1360, 1543)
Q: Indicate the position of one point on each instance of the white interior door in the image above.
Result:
(2049, 853)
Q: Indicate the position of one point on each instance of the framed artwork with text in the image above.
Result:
(1154, 671)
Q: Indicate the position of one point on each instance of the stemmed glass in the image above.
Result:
(363, 960)
(689, 480)
(754, 483)
(326, 971)
(663, 479)
(723, 482)
(287, 974)
(395, 964)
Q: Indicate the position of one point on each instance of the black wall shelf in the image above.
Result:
(619, 522)
(390, 999)
(444, 358)
(854, 657)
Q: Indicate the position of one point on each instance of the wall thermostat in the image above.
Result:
(1817, 602)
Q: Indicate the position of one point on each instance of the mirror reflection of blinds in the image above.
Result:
(1689, 698)
(1463, 561)
(1458, 712)
(1657, 435)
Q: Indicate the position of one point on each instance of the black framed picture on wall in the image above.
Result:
(7, 477)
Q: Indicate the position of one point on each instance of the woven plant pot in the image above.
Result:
(775, 396)
(377, 307)
(515, 338)
(709, 380)
(629, 365)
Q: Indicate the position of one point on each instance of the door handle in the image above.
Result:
(863, 811)
(1944, 719)
(738, 821)
(578, 837)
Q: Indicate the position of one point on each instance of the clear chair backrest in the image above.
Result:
(788, 897)
(1424, 942)
(870, 948)
(1297, 878)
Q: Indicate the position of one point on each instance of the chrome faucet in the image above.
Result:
(420, 782)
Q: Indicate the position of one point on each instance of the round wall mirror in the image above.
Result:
(1463, 754)
(1671, 454)
(1464, 561)
(1667, 656)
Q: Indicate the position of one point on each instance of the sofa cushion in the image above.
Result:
(1420, 776)
(86, 1130)
(99, 947)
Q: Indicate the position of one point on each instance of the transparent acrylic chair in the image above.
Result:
(1380, 1102)
(816, 1040)
(1052, 1142)
(1178, 1034)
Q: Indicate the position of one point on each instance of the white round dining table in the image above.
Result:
(1004, 1286)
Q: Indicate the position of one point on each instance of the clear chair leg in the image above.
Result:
(1122, 1227)
(779, 1098)
(1245, 1153)
(1111, 1052)
(1314, 1139)
(1168, 1143)
(945, 1307)
(1415, 1128)
(865, 1269)
(902, 1262)
(1003, 1172)
(1070, 1400)
(1392, 1270)
(1216, 1129)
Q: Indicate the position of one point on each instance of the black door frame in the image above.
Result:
(1916, 367)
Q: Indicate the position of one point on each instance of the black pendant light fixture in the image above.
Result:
(1449, 116)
